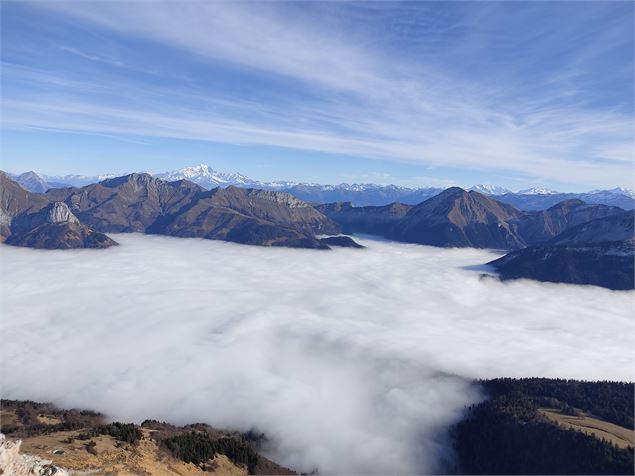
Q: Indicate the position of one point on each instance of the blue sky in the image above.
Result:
(415, 93)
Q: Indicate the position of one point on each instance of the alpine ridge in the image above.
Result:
(143, 203)
(30, 219)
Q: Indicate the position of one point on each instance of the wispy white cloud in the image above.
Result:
(495, 149)
(363, 102)
(89, 56)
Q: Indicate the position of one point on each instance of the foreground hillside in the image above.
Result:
(524, 426)
(548, 426)
(81, 441)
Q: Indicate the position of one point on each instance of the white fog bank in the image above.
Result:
(351, 361)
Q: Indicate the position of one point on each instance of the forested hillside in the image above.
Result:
(510, 433)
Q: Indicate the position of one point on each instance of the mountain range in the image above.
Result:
(571, 241)
(78, 217)
(359, 194)
(461, 218)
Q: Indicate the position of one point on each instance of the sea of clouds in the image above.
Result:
(351, 361)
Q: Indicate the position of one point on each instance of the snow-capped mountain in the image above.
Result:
(615, 191)
(487, 189)
(360, 194)
(75, 180)
(31, 181)
(207, 177)
(536, 191)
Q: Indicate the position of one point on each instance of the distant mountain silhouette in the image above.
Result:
(360, 194)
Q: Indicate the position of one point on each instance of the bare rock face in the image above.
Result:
(14, 463)
(55, 212)
(59, 212)
(31, 220)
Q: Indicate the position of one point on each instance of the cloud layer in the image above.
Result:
(352, 361)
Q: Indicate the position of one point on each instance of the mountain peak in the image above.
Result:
(206, 176)
(448, 192)
(488, 189)
(536, 191)
(142, 178)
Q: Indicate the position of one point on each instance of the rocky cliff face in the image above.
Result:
(14, 463)
(30, 219)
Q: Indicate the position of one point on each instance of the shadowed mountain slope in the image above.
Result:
(30, 219)
(538, 227)
(599, 252)
(141, 203)
(456, 217)
(374, 220)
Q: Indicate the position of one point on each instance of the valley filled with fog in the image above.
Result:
(351, 361)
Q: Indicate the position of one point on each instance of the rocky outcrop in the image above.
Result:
(14, 463)
(55, 212)
(30, 219)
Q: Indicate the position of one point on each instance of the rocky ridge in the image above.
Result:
(30, 219)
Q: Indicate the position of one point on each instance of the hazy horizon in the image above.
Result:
(282, 179)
